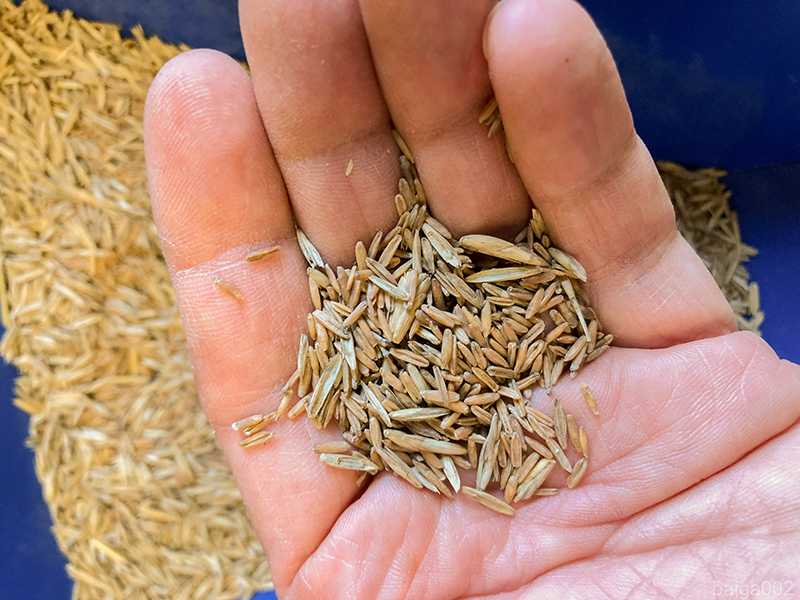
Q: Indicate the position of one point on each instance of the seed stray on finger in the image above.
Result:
(262, 437)
(589, 397)
(401, 143)
(227, 288)
(259, 254)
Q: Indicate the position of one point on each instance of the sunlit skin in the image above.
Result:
(693, 479)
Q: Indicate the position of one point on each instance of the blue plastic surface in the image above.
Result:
(26, 543)
(768, 203)
(708, 84)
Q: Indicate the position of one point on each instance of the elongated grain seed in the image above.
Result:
(393, 461)
(310, 253)
(584, 442)
(259, 254)
(429, 476)
(332, 448)
(574, 432)
(451, 473)
(488, 500)
(349, 462)
(349, 168)
(401, 143)
(559, 455)
(418, 414)
(418, 443)
(577, 474)
(589, 397)
(560, 423)
(535, 479)
(227, 288)
(257, 439)
(247, 422)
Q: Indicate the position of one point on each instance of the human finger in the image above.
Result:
(435, 79)
(322, 108)
(572, 135)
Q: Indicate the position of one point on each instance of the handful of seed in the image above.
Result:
(426, 350)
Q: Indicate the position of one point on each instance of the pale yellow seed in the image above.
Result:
(257, 439)
(577, 474)
(227, 288)
(332, 448)
(259, 254)
(589, 397)
(401, 143)
(584, 442)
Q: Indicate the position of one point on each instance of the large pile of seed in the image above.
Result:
(423, 349)
(142, 500)
(707, 221)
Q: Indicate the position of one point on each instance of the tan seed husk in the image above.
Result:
(401, 143)
(332, 448)
(256, 439)
(574, 432)
(259, 254)
(589, 397)
(560, 423)
(354, 462)
(577, 474)
(584, 442)
(488, 500)
(227, 288)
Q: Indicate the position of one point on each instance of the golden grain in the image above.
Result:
(259, 254)
(227, 288)
(85, 291)
(589, 397)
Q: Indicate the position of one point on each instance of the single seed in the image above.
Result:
(488, 500)
(259, 254)
(332, 448)
(584, 442)
(227, 288)
(257, 439)
(589, 397)
(578, 471)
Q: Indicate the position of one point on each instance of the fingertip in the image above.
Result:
(187, 78)
(548, 62)
(213, 180)
(570, 129)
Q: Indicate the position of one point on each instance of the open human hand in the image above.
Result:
(691, 483)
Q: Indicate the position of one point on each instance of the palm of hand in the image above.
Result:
(688, 484)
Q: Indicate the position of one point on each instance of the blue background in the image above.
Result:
(709, 83)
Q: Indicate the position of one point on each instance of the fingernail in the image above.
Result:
(486, 28)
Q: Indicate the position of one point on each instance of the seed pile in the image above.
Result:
(423, 351)
(705, 218)
(142, 500)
